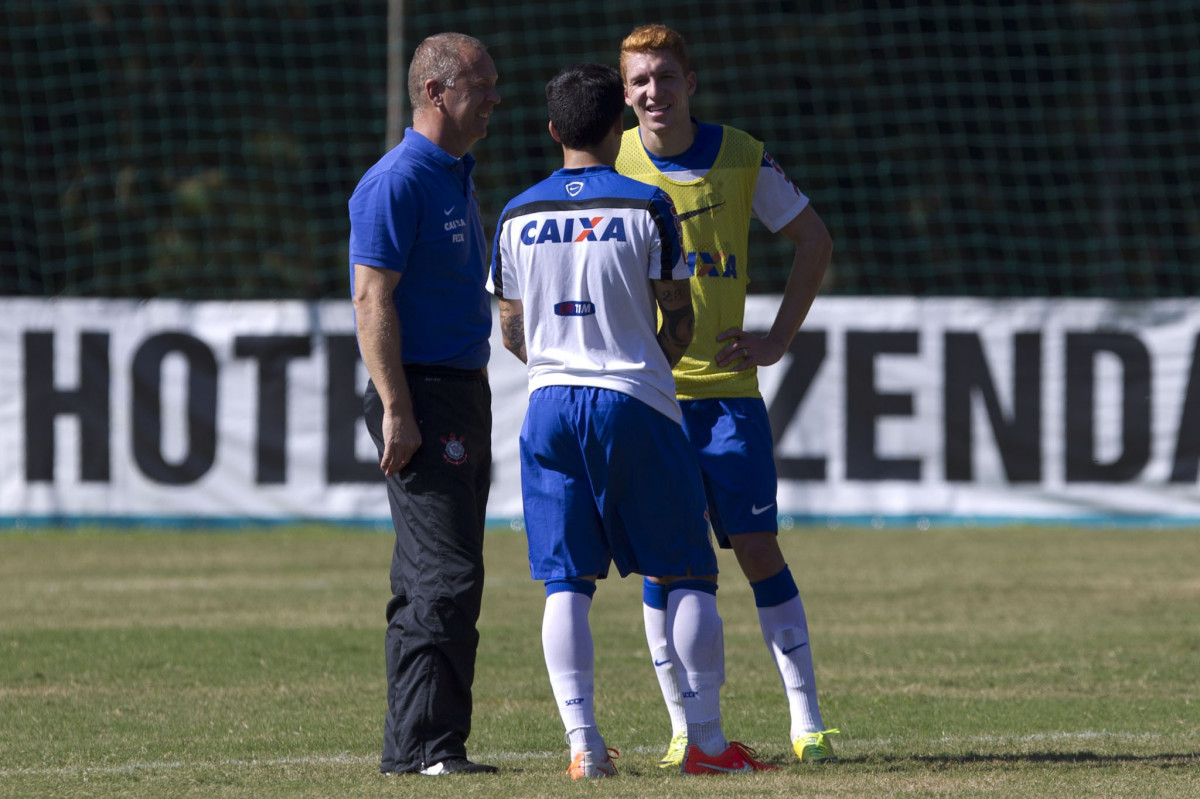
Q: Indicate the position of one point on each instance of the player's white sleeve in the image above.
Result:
(777, 201)
(510, 277)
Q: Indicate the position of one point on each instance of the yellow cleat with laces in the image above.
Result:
(814, 747)
(674, 755)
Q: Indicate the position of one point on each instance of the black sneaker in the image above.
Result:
(457, 765)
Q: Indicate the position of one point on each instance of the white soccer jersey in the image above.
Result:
(579, 250)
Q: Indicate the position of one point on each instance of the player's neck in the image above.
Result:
(603, 153)
(671, 141)
(581, 159)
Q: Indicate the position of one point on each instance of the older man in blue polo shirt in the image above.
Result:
(418, 265)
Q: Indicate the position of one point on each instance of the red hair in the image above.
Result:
(648, 38)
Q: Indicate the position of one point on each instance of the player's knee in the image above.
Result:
(758, 555)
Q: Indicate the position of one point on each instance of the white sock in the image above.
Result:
(664, 668)
(567, 647)
(785, 630)
(698, 648)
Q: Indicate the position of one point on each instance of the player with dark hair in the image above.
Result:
(719, 177)
(580, 262)
(418, 259)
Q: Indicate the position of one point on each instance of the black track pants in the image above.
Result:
(438, 504)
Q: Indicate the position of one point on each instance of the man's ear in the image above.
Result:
(433, 92)
(554, 133)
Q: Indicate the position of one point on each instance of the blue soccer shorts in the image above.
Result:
(732, 438)
(606, 479)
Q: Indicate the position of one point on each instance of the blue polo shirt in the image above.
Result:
(415, 212)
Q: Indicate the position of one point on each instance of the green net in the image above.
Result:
(195, 149)
(207, 149)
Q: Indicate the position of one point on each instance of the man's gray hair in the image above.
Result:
(439, 57)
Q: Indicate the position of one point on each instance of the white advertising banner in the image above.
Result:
(920, 409)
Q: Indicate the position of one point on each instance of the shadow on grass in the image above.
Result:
(1163, 760)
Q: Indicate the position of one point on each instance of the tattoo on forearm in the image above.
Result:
(678, 326)
(513, 328)
(678, 318)
(675, 293)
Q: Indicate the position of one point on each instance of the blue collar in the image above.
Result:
(701, 155)
(585, 170)
(425, 147)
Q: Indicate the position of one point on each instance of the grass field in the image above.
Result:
(985, 662)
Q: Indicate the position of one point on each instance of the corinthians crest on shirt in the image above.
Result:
(454, 450)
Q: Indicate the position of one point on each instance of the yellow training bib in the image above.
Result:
(714, 212)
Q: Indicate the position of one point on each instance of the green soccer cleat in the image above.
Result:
(674, 755)
(814, 747)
